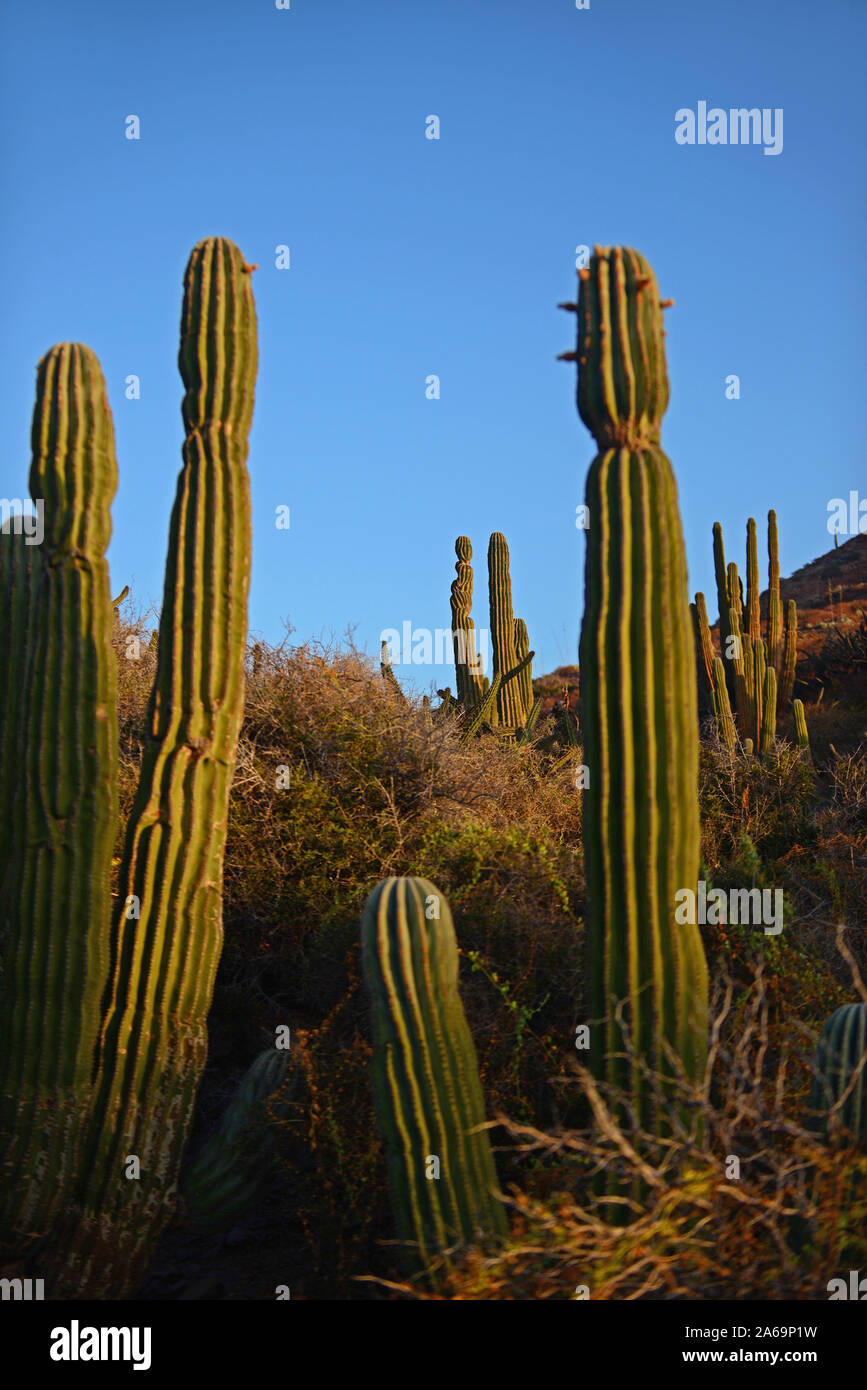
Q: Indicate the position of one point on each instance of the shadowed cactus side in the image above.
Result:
(427, 1093)
(638, 707)
(228, 1171)
(116, 1025)
(839, 1092)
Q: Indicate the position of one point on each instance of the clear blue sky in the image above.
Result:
(412, 257)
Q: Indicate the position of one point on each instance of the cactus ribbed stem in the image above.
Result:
(425, 1074)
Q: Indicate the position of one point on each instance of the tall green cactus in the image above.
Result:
(425, 1075)
(840, 1072)
(638, 701)
(471, 683)
(141, 1055)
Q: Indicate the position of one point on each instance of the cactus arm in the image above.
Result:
(388, 675)
(775, 611)
(503, 629)
(722, 706)
(790, 656)
(754, 629)
(802, 738)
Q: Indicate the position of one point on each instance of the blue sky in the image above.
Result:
(411, 257)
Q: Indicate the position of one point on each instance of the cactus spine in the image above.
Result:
(425, 1074)
(840, 1072)
(468, 671)
(163, 948)
(638, 699)
(56, 907)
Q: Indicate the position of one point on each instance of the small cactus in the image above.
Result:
(428, 1097)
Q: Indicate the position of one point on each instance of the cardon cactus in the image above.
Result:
(60, 814)
(638, 704)
(228, 1171)
(111, 1018)
(839, 1092)
(471, 683)
(512, 706)
(427, 1093)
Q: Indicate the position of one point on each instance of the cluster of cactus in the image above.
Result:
(840, 1073)
(228, 1171)
(648, 975)
(427, 1093)
(506, 703)
(756, 672)
(103, 1015)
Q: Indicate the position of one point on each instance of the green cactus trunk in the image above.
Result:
(425, 1074)
(638, 703)
(61, 820)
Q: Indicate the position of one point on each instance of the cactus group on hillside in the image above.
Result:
(638, 706)
(506, 703)
(103, 1015)
(756, 673)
